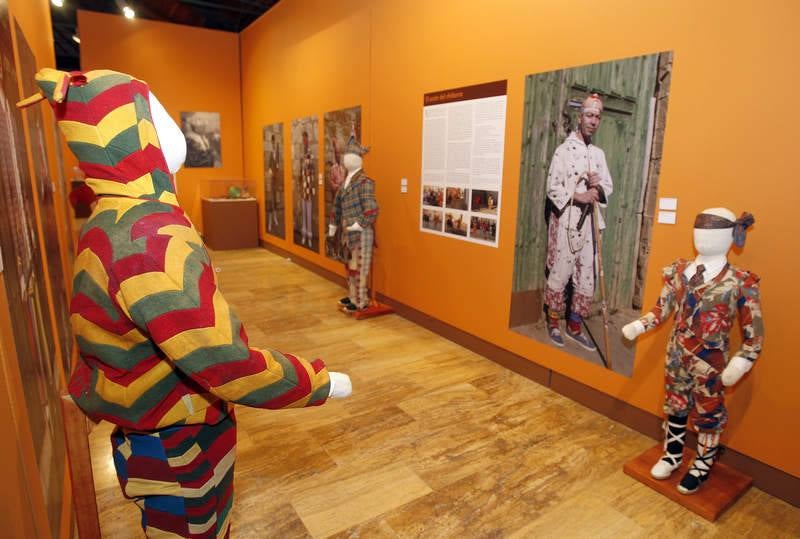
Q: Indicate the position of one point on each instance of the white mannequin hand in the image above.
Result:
(331, 230)
(341, 386)
(355, 227)
(633, 330)
(737, 367)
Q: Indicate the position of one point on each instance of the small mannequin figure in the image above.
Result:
(355, 209)
(162, 354)
(706, 295)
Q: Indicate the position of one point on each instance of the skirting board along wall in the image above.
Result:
(767, 478)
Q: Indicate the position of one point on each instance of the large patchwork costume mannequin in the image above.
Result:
(706, 295)
(162, 355)
(355, 209)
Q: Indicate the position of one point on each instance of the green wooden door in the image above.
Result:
(551, 106)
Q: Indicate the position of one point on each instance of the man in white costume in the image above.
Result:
(578, 179)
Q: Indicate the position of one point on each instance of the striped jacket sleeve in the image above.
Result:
(176, 300)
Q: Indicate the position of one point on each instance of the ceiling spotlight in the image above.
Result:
(76, 39)
(57, 3)
(128, 12)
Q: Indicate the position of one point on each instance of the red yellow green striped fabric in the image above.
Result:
(159, 345)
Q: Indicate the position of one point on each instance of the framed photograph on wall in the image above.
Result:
(274, 196)
(203, 139)
(591, 154)
(305, 149)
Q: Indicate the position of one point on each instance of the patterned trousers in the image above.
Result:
(565, 265)
(694, 381)
(306, 208)
(180, 477)
(357, 266)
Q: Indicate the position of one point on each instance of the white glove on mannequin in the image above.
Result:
(331, 230)
(355, 227)
(633, 330)
(341, 386)
(737, 367)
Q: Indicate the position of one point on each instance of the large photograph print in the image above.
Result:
(339, 125)
(591, 153)
(45, 191)
(203, 144)
(305, 149)
(274, 205)
(25, 285)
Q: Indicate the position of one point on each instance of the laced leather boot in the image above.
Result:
(674, 439)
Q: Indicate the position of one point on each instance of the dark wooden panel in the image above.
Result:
(230, 224)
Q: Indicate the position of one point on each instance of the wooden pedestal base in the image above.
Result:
(722, 489)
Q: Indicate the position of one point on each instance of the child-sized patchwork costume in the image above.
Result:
(698, 346)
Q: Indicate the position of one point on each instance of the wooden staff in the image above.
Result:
(601, 274)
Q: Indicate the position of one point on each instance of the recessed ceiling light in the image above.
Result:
(128, 12)
(76, 39)
(57, 3)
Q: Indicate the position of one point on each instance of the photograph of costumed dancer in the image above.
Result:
(590, 161)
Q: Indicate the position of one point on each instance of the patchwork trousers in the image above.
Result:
(181, 477)
(693, 382)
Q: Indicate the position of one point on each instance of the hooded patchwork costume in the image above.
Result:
(162, 355)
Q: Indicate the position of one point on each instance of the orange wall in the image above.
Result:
(734, 70)
(189, 69)
(302, 61)
(728, 143)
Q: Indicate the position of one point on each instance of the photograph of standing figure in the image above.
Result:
(591, 154)
(274, 205)
(338, 126)
(305, 148)
(203, 139)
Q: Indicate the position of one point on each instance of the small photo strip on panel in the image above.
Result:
(456, 223)
(432, 219)
(483, 229)
(433, 195)
(484, 201)
(457, 198)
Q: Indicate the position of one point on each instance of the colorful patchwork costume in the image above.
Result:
(355, 203)
(162, 355)
(698, 346)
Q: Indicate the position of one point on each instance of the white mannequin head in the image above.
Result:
(352, 162)
(170, 136)
(715, 241)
